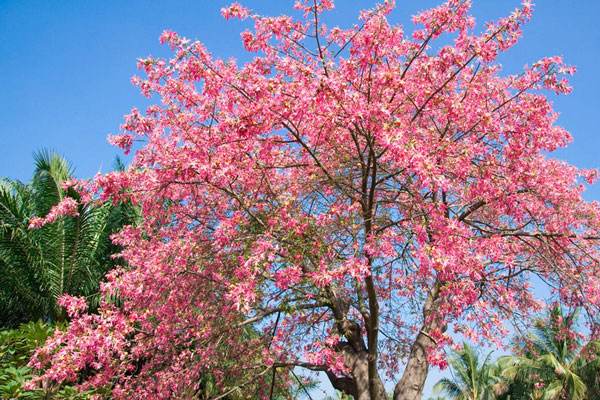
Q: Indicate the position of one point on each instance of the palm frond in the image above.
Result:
(69, 255)
(448, 387)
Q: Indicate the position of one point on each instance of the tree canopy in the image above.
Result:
(353, 194)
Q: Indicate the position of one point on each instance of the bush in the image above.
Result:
(16, 348)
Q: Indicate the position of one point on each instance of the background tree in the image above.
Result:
(472, 378)
(588, 368)
(552, 363)
(70, 254)
(354, 195)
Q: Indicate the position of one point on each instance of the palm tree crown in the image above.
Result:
(473, 379)
(553, 364)
(69, 255)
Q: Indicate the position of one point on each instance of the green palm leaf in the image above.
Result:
(70, 255)
(472, 379)
(551, 366)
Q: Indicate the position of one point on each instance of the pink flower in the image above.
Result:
(235, 10)
(74, 305)
(171, 38)
(590, 175)
(124, 141)
(36, 222)
(288, 277)
(67, 207)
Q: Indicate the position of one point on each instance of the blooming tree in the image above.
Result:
(361, 197)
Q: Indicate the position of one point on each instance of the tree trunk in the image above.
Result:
(357, 385)
(410, 386)
(360, 372)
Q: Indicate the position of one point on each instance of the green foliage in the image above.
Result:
(16, 348)
(473, 379)
(549, 363)
(339, 396)
(70, 255)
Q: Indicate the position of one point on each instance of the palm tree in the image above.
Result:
(69, 255)
(588, 368)
(472, 379)
(553, 364)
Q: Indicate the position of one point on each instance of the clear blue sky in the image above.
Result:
(65, 67)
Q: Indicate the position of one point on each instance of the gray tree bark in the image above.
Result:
(410, 386)
(357, 385)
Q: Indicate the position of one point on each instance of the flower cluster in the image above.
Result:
(67, 207)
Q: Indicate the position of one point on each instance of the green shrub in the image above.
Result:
(16, 347)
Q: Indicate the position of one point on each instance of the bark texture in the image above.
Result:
(410, 386)
(358, 385)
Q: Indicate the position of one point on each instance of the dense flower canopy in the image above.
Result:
(359, 197)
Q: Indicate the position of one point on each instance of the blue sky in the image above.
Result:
(65, 67)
